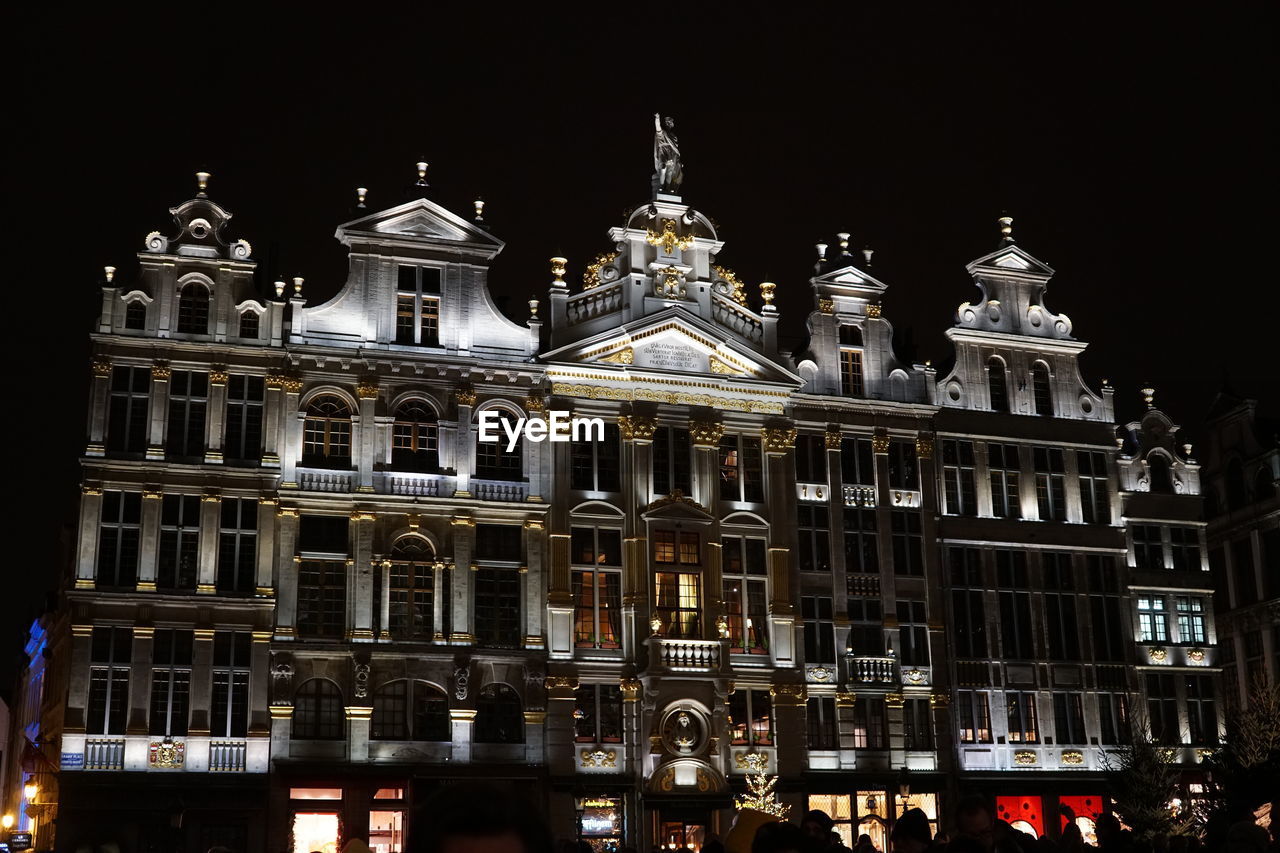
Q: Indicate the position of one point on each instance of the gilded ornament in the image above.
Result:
(101, 368)
(778, 439)
(668, 282)
(599, 758)
(535, 404)
(939, 700)
(291, 384)
(367, 389)
(166, 754)
(873, 310)
(845, 699)
(880, 443)
(721, 368)
(894, 700)
(668, 239)
(161, 371)
(833, 438)
(706, 433)
(275, 381)
(466, 396)
(218, 375)
(1073, 757)
(767, 289)
(1024, 757)
(591, 278)
(676, 497)
(630, 688)
(738, 291)
(560, 682)
(751, 760)
(626, 355)
(637, 427)
(924, 448)
(1196, 655)
(788, 694)
(827, 306)
(1158, 653)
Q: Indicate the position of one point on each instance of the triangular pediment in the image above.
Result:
(423, 221)
(851, 277)
(676, 342)
(1013, 259)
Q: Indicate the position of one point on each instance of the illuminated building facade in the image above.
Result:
(306, 595)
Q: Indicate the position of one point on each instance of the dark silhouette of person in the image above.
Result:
(478, 819)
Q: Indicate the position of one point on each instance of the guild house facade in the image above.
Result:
(305, 594)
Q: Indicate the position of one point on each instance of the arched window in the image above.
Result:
(998, 384)
(326, 433)
(1158, 468)
(317, 711)
(1040, 389)
(1236, 497)
(249, 325)
(193, 309)
(135, 315)
(415, 440)
(410, 710)
(1264, 485)
(411, 589)
(499, 716)
(494, 461)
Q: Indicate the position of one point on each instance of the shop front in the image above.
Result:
(871, 811)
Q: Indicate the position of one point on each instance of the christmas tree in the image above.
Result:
(761, 797)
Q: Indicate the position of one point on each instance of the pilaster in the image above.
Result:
(215, 416)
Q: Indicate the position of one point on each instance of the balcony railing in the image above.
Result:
(689, 655)
(499, 490)
(104, 754)
(866, 669)
(859, 495)
(227, 756)
(418, 485)
(321, 480)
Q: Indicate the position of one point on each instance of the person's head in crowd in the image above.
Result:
(864, 842)
(975, 820)
(713, 845)
(779, 837)
(817, 826)
(479, 819)
(742, 832)
(965, 844)
(911, 833)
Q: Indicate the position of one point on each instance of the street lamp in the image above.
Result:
(31, 789)
(7, 821)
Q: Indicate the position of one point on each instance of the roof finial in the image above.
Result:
(822, 251)
(110, 272)
(280, 288)
(867, 253)
(202, 184)
(843, 237)
(1006, 228)
(297, 285)
(361, 194)
(767, 289)
(1149, 395)
(557, 270)
(668, 172)
(479, 203)
(422, 174)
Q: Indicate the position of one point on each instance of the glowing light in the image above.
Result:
(30, 790)
(7, 821)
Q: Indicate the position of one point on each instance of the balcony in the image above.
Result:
(868, 669)
(415, 485)
(325, 480)
(859, 495)
(104, 754)
(499, 490)
(685, 655)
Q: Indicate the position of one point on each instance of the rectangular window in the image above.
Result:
(857, 463)
(494, 462)
(741, 469)
(1063, 626)
(170, 682)
(110, 656)
(1015, 605)
(670, 547)
(1162, 710)
(1113, 718)
(904, 472)
(1004, 469)
(238, 545)
(746, 600)
(1068, 719)
(974, 716)
(229, 709)
(1202, 718)
(813, 529)
(1190, 619)
(908, 543)
(913, 633)
(418, 306)
(1148, 549)
(243, 444)
(851, 373)
(866, 628)
(811, 459)
(750, 718)
(322, 598)
(672, 464)
(917, 724)
(500, 542)
(119, 530)
(1020, 711)
(1184, 546)
(821, 719)
(188, 400)
(1051, 483)
(595, 465)
(1153, 620)
(597, 587)
(127, 421)
(819, 629)
(869, 723)
(958, 477)
(1107, 628)
(968, 604)
(1095, 500)
(861, 553)
(597, 713)
(410, 586)
(678, 605)
(176, 564)
(497, 608)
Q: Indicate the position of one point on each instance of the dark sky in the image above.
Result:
(1132, 143)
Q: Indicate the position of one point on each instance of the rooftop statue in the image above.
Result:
(668, 172)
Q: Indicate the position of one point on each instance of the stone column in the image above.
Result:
(360, 578)
(140, 680)
(464, 446)
(158, 409)
(210, 528)
(289, 440)
(78, 678)
(281, 728)
(533, 584)
(215, 416)
(267, 507)
(464, 532)
(90, 519)
(893, 703)
(832, 439)
(99, 403)
(260, 684)
(287, 575)
(561, 748)
(149, 539)
(637, 461)
(779, 448)
(201, 681)
(539, 455)
(366, 434)
(789, 708)
(272, 419)
(462, 721)
(358, 719)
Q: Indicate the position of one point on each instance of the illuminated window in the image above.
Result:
(597, 713)
(870, 723)
(1020, 711)
(851, 382)
(193, 309)
(411, 582)
(741, 469)
(318, 713)
(326, 433)
(751, 718)
(1190, 619)
(677, 605)
(839, 808)
(1153, 620)
(170, 682)
(418, 306)
(315, 832)
(974, 716)
(386, 830)
(670, 547)
(597, 591)
(415, 441)
(745, 594)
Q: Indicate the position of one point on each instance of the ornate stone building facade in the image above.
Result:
(306, 594)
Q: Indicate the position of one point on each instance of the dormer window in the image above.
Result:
(418, 306)
(193, 309)
(1041, 391)
(249, 324)
(135, 315)
(851, 382)
(998, 384)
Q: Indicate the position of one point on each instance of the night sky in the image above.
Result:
(1132, 143)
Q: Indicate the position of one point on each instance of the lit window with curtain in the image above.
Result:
(326, 433)
(678, 605)
(597, 713)
(745, 596)
(1020, 713)
(870, 723)
(596, 560)
(973, 712)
